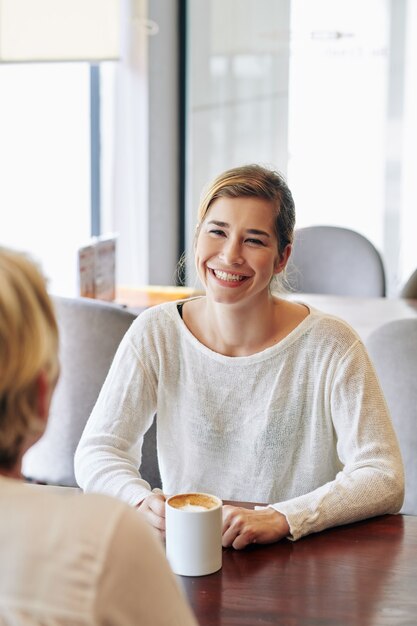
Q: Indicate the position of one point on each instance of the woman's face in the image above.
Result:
(236, 250)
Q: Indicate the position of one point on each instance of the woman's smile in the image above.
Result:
(229, 278)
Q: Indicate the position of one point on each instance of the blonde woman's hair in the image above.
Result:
(28, 345)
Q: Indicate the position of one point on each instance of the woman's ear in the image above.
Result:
(42, 386)
(196, 234)
(45, 389)
(282, 262)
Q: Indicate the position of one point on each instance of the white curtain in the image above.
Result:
(129, 197)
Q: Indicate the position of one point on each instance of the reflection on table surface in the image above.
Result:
(361, 574)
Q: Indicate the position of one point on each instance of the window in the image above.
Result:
(45, 165)
(323, 90)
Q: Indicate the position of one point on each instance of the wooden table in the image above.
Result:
(362, 574)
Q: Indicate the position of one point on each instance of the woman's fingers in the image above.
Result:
(153, 509)
(242, 527)
(156, 503)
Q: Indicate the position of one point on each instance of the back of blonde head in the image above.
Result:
(28, 345)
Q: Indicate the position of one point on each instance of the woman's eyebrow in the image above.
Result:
(254, 231)
(251, 231)
(217, 223)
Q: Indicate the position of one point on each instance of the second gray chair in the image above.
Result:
(90, 332)
(335, 260)
(393, 349)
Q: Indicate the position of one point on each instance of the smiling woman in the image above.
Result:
(255, 182)
(257, 398)
(240, 249)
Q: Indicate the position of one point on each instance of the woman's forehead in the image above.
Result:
(242, 209)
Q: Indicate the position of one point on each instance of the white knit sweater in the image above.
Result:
(302, 425)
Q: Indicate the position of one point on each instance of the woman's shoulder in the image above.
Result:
(158, 311)
(338, 325)
(317, 322)
(163, 318)
(99, 518)
(65, 508)
(332, 334)
(155, 330)
(159, 317)
(107, 515)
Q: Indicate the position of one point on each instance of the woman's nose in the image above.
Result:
(231, 251)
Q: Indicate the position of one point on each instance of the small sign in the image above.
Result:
(97, 269)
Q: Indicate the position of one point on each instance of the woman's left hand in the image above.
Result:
(244, 526)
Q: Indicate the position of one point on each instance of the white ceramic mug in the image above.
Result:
(193, 523)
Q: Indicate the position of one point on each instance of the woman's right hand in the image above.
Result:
(153, 510)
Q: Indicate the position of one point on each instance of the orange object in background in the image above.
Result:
(143, 297)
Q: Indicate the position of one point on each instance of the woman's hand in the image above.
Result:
(244, 526)
(153, 510)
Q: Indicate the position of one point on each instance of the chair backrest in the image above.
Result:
(393, 349)
(90, 332)
(410, 288)
(334, 260)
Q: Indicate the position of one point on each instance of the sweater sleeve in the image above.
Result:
(371, 481)
(109, 453)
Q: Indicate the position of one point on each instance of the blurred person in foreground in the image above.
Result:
(66, 558)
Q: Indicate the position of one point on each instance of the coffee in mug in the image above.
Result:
(194, 502)
(194, 533)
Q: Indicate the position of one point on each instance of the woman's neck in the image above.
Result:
(14, 472)
(242, 331)
(234, 330)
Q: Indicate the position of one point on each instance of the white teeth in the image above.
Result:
(229, 277)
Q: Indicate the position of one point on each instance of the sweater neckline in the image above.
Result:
(263, 355)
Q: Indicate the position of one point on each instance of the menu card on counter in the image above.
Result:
(97, 268)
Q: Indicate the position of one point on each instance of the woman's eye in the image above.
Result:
(256, 242)
(217, 232)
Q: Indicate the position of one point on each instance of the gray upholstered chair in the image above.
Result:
(334, 260)
(410, 288)
(90, 332)
(393, 349)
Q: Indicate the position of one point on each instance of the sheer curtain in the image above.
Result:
(125, 201)
(140, 198)
(408, 150)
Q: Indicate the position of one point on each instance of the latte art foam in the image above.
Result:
(192, 507)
